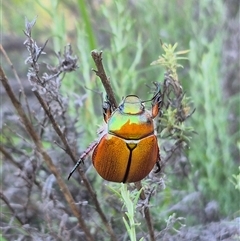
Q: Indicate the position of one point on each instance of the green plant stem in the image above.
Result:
(86, 19)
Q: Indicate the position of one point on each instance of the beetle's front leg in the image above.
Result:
(156, 102)
(107, 110)
(83, 157)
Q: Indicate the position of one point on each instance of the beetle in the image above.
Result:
(127, 149)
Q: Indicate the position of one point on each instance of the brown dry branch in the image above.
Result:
(10, 157)
(100, 72)
(4, 198)
(39, 147)
(176, 146)
(16, 76)
(146, 211)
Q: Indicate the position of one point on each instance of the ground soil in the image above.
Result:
(216, 231)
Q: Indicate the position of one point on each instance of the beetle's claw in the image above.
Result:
(70, 174)
(74, 168)
(158, 167)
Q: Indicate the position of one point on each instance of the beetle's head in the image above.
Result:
(131, 104)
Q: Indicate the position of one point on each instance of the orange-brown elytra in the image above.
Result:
(127, 149)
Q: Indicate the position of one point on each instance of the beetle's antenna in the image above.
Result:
(144, 101)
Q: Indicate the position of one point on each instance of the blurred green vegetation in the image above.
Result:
(129, 35)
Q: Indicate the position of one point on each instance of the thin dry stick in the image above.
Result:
(146, 212)
(100, 72)
(17, 78)
(4, 198)
(18, 165)
(9, 157)
(30, 130)
(55, 125)
(15, 163)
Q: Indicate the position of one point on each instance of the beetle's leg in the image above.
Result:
(83, 157)
(158, 167)
(107, 110)
(158, 163)
(156, 102)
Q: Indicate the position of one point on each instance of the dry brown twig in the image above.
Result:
(16, 76)
(100, 72)
(4, 198)
(146, 211)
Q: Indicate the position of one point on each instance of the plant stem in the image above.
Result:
(100, 72)
(146, 212)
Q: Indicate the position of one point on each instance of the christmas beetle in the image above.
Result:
(127, 149)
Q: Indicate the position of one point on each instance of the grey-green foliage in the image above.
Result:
(210, 152)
